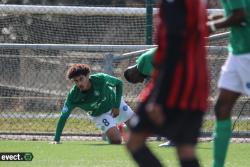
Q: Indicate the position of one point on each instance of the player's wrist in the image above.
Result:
(210, 18)
(212, 26)
(115, 112)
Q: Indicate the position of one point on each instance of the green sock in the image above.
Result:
(222, 135)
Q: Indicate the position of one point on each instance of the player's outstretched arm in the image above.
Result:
(66, 111)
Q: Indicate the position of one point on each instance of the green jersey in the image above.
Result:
(105, 93)
(145, 62)
(239, 35)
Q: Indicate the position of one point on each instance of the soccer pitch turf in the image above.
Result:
(101, 154)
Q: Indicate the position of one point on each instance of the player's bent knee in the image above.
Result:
(114, 136)
(222, 111)
(225, 103)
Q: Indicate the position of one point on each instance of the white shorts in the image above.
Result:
(235, 74)
(106, 121)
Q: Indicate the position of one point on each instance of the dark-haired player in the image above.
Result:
(142, 70)
(100, 95)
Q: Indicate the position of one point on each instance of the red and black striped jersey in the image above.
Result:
(180, 78)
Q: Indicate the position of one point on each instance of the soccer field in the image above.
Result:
(101, 154)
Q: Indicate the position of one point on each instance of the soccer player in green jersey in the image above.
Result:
(234, 79)
(100, 95)
(142, 69)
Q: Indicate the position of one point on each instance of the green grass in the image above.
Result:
(241, 125)
(74, 125)
(100, 154)
(46, 125)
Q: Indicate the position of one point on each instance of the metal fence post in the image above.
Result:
(108, 64)
(149, 21)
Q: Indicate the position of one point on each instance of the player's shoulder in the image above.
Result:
(98, 77)
(72, 94)
(150, 52)
(147, 55)
(73, 91)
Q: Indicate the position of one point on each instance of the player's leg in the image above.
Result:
(187, 155)
(114, 135)
(124, 131)
(123, 118)
(114, 128)
(223, 129)
(107, 124)
(244, 71)
(139, 130)
(140, 152)
(125, 114)
(186, 136)
(230, 88)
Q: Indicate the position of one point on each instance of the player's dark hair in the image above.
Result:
(78, 69)
(131, 74)
(126, 75)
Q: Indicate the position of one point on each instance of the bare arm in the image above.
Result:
(213, 17)
(237, 18)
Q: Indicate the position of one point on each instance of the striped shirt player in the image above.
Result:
(174, 102)
(183, 66)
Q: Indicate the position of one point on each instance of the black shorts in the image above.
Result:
(181, 127)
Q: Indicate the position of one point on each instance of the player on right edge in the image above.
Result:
(235, 74)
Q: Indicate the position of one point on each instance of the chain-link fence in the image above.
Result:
(38, 45)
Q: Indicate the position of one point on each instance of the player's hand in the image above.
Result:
(115, 112)
(156, 114)
(55, 142)
(209, 30)
(211, 17)
(211, 27)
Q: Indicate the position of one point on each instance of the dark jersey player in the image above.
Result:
(174, 102)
